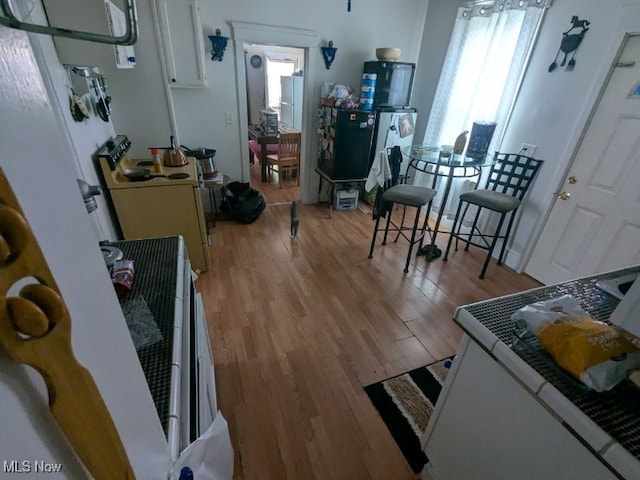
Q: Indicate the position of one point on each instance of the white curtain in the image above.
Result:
(482, 72)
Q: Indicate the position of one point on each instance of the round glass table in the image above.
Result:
(433, 161)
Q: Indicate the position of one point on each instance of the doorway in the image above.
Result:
(594, 225)
(308, 42)
(274, 77)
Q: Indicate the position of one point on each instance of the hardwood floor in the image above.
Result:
(299, 326)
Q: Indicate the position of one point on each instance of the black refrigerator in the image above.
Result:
(345, 142)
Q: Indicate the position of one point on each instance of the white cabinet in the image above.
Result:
(487, 425)
(291, 101)
(181, 38)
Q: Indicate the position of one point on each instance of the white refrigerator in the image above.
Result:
(394, 127)
(291, 100)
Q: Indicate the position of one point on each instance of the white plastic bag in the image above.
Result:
(210, 456)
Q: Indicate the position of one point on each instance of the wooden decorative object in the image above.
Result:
(35, 329)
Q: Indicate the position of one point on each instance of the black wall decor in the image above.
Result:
(571, 40)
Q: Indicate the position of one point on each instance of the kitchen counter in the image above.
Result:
(179, 367)
(155, 279)
(601, 428)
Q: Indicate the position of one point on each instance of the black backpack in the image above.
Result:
(244, 203)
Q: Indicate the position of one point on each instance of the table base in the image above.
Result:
(431, 251)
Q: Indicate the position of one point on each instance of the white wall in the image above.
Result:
(552, 108)
(356, 34)
(86, 137)
(37, 159)
(140, 107)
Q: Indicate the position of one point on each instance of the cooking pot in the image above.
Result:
(173, 157)
(204, 157)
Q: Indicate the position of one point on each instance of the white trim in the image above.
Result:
(628, 22)
(165, 72)
(289, 37)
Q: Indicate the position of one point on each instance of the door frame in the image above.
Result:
(628, 26)
(289, 37)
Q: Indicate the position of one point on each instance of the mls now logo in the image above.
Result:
(26, 466)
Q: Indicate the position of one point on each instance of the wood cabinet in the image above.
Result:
(161, 207)
(182, 44)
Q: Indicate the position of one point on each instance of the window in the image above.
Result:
(486, 58)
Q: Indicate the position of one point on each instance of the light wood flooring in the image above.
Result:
(299, 326)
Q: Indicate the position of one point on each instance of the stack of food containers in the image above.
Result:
(367, 90)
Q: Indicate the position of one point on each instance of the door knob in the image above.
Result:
(572, 180)
(563, 195)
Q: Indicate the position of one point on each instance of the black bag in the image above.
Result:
(244, 203)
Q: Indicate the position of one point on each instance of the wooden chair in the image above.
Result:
(287, 160)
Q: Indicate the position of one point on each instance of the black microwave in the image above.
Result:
(393, 82)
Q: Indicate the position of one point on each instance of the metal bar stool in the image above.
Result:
(507, 183)
(405, 195)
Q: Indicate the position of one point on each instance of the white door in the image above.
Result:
(594, 225)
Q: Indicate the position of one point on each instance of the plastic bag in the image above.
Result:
(243, 202)
(592, 351)
(210, 456)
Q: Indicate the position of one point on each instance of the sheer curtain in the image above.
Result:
(482, 72)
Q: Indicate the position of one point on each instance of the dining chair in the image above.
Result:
(287, 160)
(396, 193)
(507, 183)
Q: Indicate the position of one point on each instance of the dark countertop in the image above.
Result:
(155, 279)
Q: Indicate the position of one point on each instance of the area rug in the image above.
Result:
(406, 402)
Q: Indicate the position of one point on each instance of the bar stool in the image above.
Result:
(507, 183)
(407, 196)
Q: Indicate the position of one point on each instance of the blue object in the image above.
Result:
(186, 474)
(328, 54)
(218, 45)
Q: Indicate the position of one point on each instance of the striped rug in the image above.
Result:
(406, 402)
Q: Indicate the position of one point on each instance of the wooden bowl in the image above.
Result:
(390, 54)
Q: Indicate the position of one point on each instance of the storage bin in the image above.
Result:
(345, 200)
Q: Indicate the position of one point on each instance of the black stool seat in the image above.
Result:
(496, 201)
(412, 195)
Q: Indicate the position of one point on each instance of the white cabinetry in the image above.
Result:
(488, 425)
(291, 101)
(181, 37)
(506, 411)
